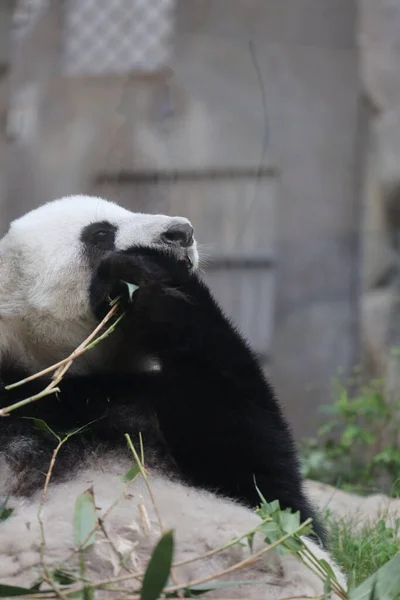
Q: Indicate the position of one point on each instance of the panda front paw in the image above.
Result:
(150, 269)
(142, 267)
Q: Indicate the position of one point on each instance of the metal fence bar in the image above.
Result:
(116, 37)
(128, 177)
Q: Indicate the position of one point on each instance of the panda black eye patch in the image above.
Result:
(100, 235)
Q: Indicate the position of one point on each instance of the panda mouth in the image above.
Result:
(188, 261)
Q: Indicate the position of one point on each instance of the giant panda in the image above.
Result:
(175, 371)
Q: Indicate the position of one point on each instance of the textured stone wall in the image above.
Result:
(379, 44)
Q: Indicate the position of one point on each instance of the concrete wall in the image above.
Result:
(305, 50)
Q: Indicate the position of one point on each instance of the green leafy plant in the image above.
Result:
(358, 446)
(5, 511)
(362, 549)
(384, 584)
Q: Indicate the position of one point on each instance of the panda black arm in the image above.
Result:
(218, 413)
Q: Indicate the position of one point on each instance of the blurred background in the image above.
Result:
(274, 125)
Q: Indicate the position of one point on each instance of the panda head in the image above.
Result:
(46, 263)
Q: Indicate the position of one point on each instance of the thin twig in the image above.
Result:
(62, 367)
(224, 547)
(243, 563)
(302, 597)
(4, 412)
(105, 515)
(47, 576)
(43, 500)
(118, 554)
(81, 349)
(84, 347)
(312, 562)
(59, 593)
(144, 475)
(150, 492)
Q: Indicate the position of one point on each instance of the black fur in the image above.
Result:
(209, 416)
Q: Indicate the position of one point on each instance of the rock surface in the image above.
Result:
(352, 506)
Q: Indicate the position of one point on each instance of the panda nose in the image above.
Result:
(180, 234)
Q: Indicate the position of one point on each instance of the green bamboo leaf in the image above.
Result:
(5, 512)
(289, 521)
(325, 565)
(250, 540)
(42, 426)
(133, 472)
(81, 429)
(383, 584)
(202, 588)
(271, 531)
(11, 591)
(63, 577)
(158, 568)
(293, 544)
(85, 519)
(131, 288)
(327, 589)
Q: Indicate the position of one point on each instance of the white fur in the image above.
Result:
(44, 314)
(201, 522)
(44, 310)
